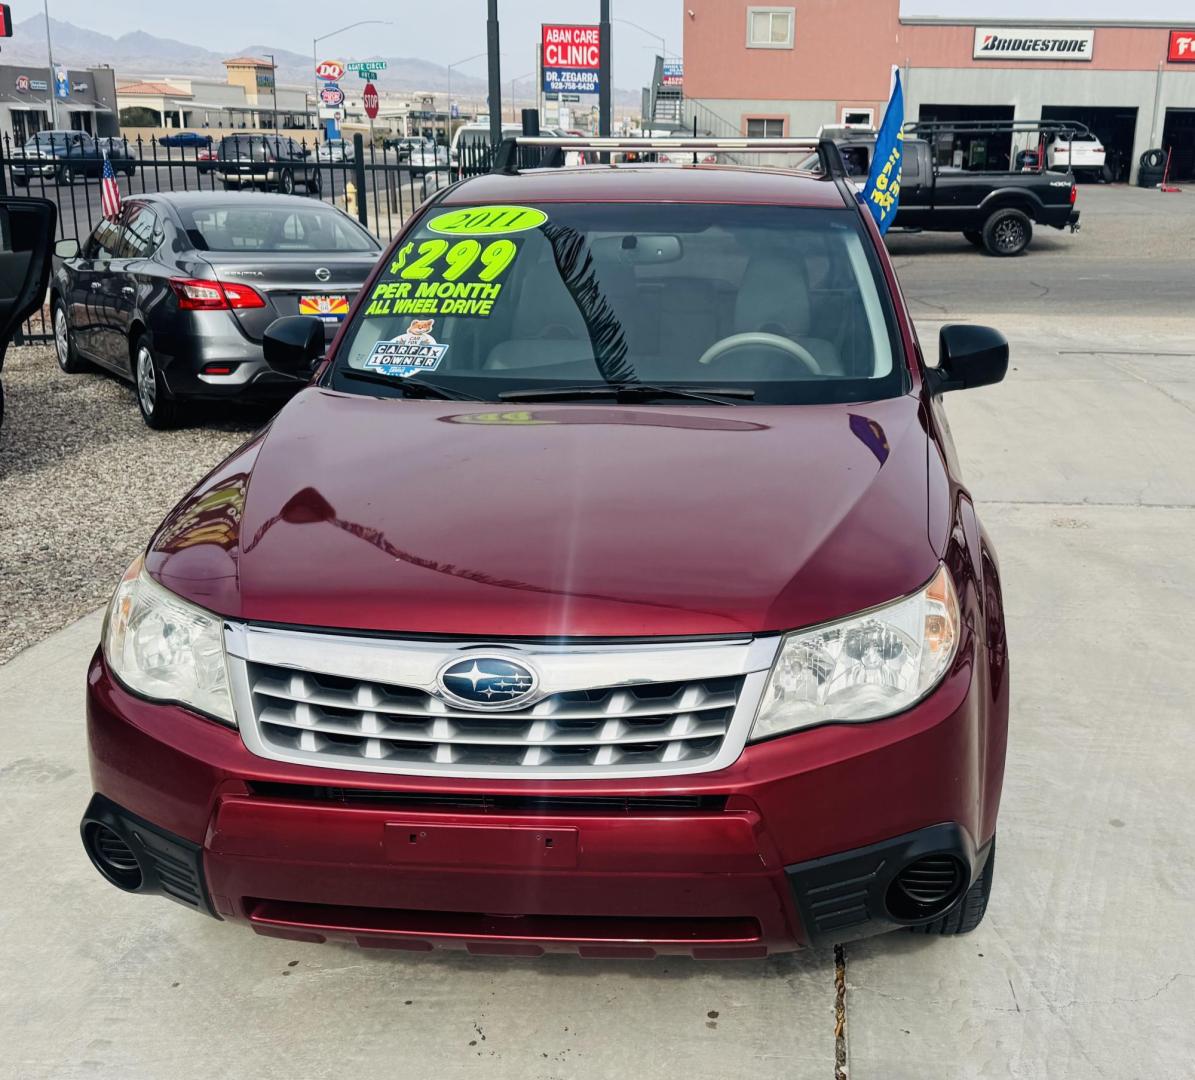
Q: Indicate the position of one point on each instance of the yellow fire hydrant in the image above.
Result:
(350, 199)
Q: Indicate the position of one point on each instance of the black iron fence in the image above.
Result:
(378, 184)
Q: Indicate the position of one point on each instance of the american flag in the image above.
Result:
(109, 192)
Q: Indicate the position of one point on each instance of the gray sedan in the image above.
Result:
(177, 293)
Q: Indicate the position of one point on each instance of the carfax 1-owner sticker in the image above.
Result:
(413, 351)
(460, 273)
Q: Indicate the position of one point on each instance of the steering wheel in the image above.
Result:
(771, 341)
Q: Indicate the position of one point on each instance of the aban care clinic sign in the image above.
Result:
(571, 57)
(1032, 43)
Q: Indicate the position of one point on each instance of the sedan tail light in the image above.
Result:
(196, 295)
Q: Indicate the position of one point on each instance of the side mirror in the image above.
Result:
(66, 249)
(293, 345)
(968, 356)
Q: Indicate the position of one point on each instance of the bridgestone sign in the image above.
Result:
(1032, 43)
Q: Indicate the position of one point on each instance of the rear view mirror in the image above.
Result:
(67, 249)
(968, 356)
(26, 240)
(293, 345)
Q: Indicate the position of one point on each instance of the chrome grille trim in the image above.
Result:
(599, 712)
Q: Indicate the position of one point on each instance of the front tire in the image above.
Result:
(1007, 233)
(286, 182)
(69, 361)
(314, 184)
(158, 410)
(968, 913)
(66, 175)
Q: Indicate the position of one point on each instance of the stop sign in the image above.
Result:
(370, 100)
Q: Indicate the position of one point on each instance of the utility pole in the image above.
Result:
(51, 82)
(496, 74)
(605, 43)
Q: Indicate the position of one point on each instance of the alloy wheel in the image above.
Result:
(62, 341)
(1010, 234)
(147, 382)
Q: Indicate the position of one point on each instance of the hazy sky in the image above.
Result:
(449, 30)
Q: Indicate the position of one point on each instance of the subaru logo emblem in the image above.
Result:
(323, 274)
(487, 682)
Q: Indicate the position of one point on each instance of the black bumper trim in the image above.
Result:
(841, 897)
(170, 865)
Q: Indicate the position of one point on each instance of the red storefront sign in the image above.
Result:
(571, 56)
(1182, 47)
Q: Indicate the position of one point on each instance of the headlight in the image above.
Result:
(865, 667)
(163, 648)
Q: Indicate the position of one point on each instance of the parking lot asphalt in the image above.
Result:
(1085, 965)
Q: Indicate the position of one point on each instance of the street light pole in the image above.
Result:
(51, 81)
(649, 33)
(495, 74)
(455, 64)
(606, 45)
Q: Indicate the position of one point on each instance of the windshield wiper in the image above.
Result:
(629, 392)
(410, 387)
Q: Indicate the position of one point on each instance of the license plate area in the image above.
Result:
(330, 307)
(530, 847)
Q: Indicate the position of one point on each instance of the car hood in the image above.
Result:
(437, 517)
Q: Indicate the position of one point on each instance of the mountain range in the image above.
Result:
(139, 53)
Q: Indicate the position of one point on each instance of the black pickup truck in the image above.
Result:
(63, 156)
(994, 209)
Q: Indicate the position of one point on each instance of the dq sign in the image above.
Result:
(329, 70)
(571, 58)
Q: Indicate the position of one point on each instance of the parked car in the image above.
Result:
(1081, 152)
(611, 588)
(335, 150)
(418, 152)
(26, 241)
(177, 293)
(270, 162)
(994, 209)
(185, 138)
(64, 156)
(471, 139)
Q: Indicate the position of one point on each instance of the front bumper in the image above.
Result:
(41, 168)
(738, 862)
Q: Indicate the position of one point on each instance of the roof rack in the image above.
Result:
(506, 160)
(995, 127)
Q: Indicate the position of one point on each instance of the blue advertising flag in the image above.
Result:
(882, 190)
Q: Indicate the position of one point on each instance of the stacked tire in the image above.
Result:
(1150, 168)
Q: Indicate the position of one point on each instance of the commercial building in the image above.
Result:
(33, 99)
(787, 69)
(248, 98)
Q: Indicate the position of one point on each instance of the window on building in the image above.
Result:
(759, 127)
(770, 27)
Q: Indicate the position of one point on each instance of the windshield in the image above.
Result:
(786, 304)
(58, 139)
(273, 228)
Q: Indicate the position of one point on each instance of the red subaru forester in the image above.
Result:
(610, 588)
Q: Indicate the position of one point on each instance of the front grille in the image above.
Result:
(484, 803)
(335, 720)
